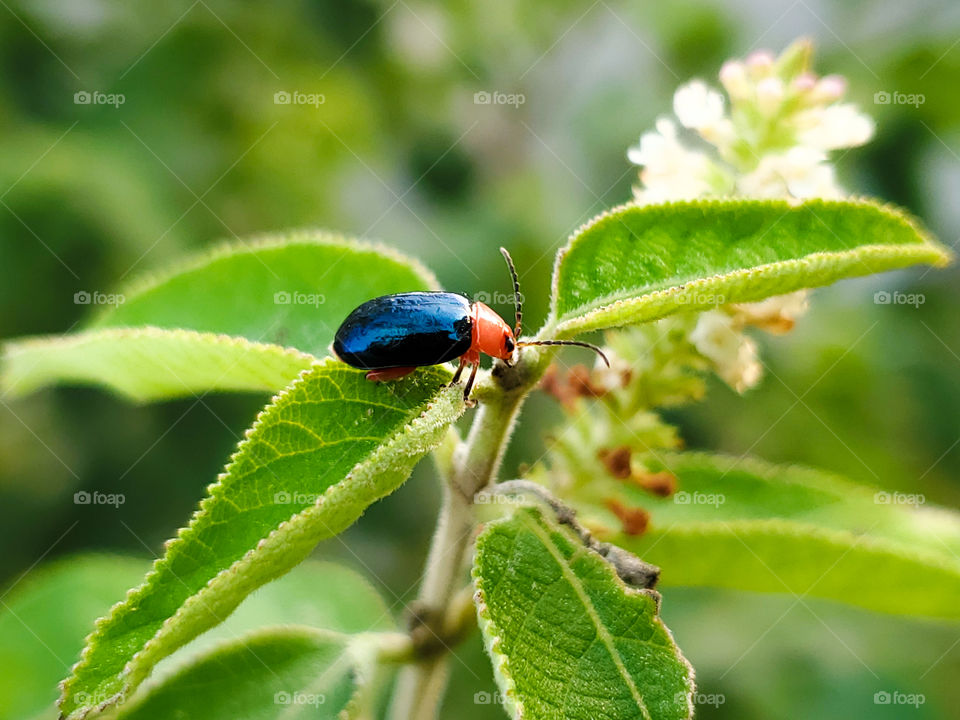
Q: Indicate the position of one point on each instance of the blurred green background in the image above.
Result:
(399, 151)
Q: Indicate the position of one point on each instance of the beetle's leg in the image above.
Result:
(469, 387)
(389, 374)
(459, 372)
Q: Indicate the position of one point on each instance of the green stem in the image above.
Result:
(420, 686)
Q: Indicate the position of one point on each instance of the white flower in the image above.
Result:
(733, 354)
(833, 127)
(800, 172)
(670, 171)
(776, 314)
(697, 106)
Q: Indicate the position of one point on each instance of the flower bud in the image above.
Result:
(769, 95)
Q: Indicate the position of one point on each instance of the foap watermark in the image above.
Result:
(683, 497)
(486, 498)
(699, 698)
(85, 699)
(886, 97)
(485, 97)
(898, 698)
(85, 297)
(85, 497)
(701, 299)
(898, 498)
(295, 498)
(282, 697)
(95, 97)
(498, 298)
(487, 698)
(282, 97)
(298, 298)
(885, 297)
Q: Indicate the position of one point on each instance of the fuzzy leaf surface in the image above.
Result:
(328, 446)
(568, 639)
(291, 290)
(635, 264)
(244, 317)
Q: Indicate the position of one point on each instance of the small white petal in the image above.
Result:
(733, 354)
(670, 170)
(837, 126)
(697, 106)
(801, 172)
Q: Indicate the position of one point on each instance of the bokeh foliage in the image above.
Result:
(399, 152)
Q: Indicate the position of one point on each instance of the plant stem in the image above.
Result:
(420, 686)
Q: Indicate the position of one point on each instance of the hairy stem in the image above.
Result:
(420, 686)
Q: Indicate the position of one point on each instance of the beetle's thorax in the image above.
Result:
(490, 334)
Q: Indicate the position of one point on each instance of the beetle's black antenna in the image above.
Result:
(597, 350)
(518, 303)
(517, 300)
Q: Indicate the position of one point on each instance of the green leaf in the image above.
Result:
(740, 523)
(41, 635)
(567, 638)
(319, 594)
(245, 317)
(292, 672)
(324, 449)
(635, 264)
(146, 364)
(291, 290)
(43, 619)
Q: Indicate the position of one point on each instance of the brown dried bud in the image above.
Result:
(662, 484)
(633, 520)
(616, 460)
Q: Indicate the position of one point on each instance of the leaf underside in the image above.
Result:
(324, 449)
(567, 638)
(245, 317)
(145, 364)
(291, 290)
(639, 263)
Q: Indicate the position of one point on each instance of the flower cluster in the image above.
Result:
(770, 136)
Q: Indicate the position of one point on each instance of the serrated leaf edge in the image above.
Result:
(148, 281)
(362, 473)
(928, 249)
(493, 640)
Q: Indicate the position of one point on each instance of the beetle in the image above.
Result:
(392, 335)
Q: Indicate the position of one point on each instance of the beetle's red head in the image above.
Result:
(491, 335)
